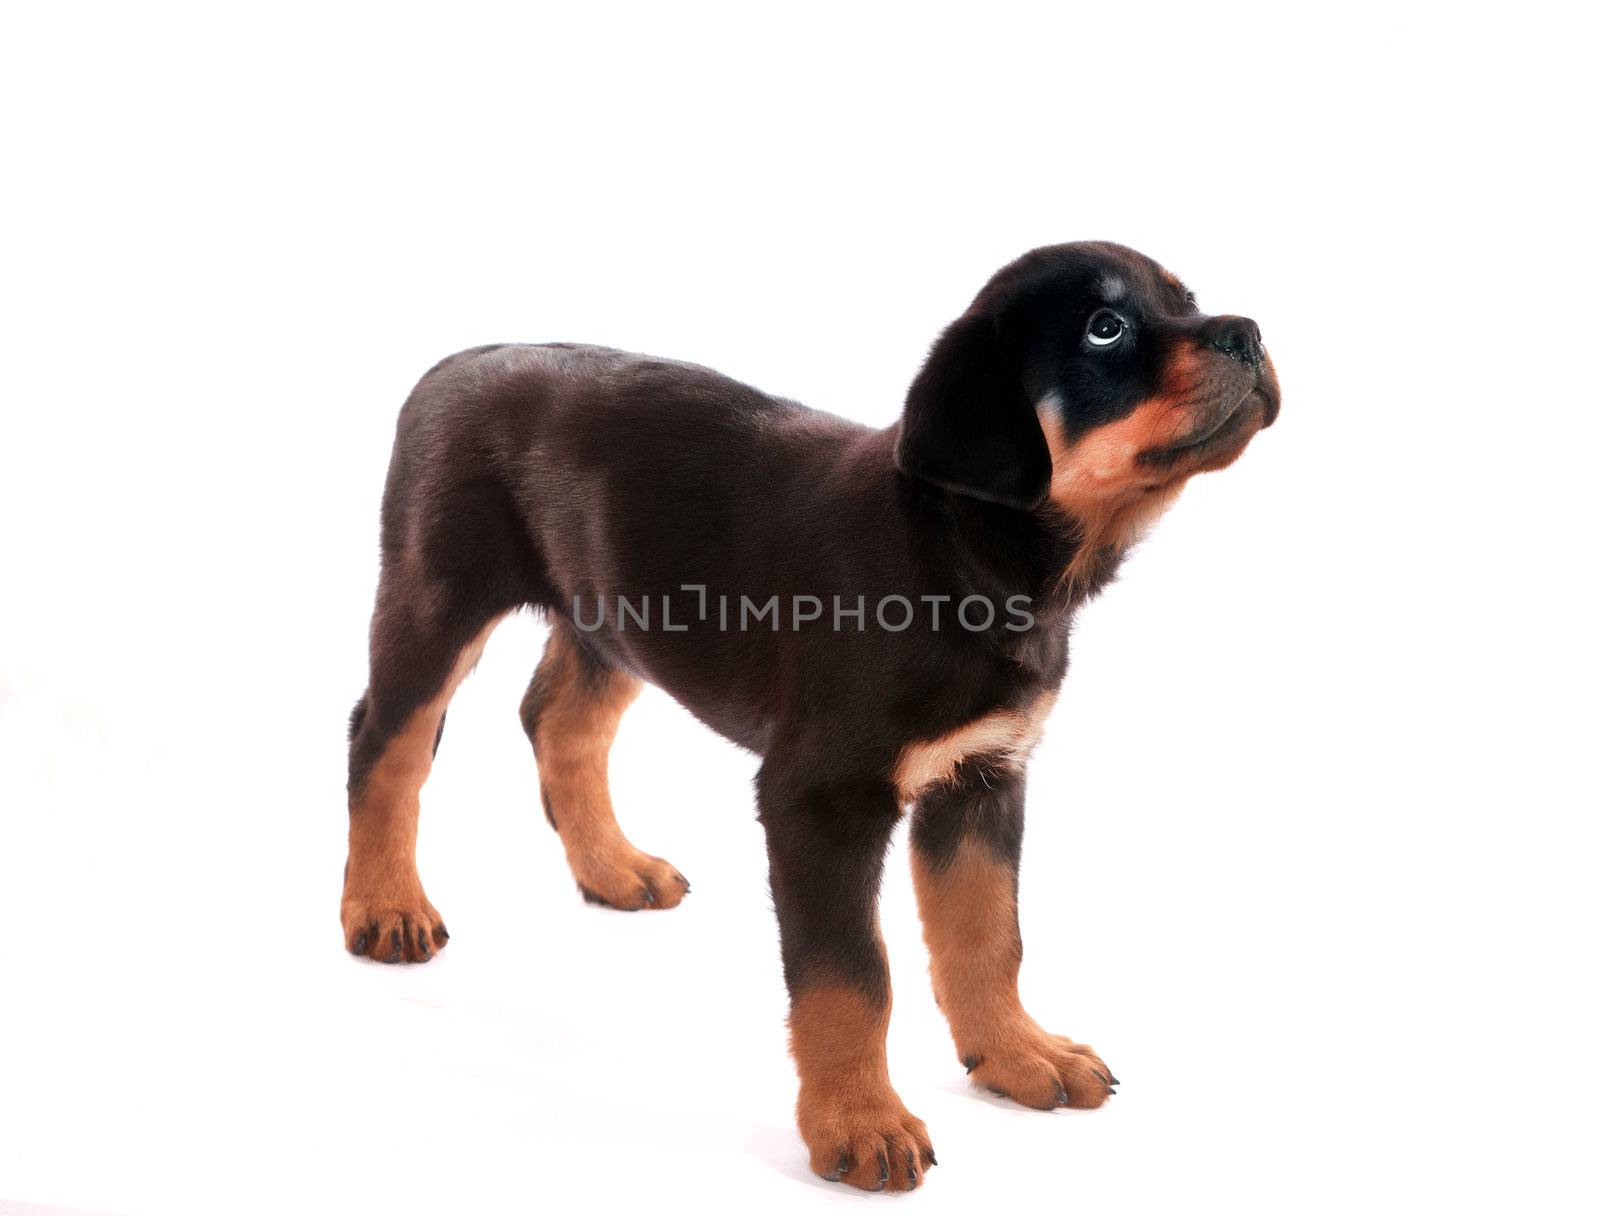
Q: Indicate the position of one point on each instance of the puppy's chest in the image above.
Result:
(1001, 739)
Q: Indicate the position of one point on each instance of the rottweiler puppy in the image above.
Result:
(880, 615)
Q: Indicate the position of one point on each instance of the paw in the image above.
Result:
(630, 881)
(1043, 1071)
(406, 929)
(876, 1147)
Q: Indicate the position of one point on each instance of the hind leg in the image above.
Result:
(570, 712)
(423, 645)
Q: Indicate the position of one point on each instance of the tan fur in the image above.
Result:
(848, 1112)
(1099, 483)
(576, 724)
(383, 896)
(969, 920)
(1098, 479)
(1006, 735)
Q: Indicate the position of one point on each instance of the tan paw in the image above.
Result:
(401, 927)
(629, 880)
(876, 1146)
(1042, 1070)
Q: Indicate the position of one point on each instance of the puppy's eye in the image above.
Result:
(1105, 328)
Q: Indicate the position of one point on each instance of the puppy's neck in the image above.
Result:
(1105, 534)
(1106, 512)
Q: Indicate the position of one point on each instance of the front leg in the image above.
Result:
(825, 843)
(966, 840)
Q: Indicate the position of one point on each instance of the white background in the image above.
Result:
(1311, 847)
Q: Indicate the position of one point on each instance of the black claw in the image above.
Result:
(396, 947)
(911, 1165)
(999, 1093)
(649, 896)
(932, 1160)
(424, 946)
(839, 1171)
(683, 882)
(1101, 1075)
(1112, 1091)
(1061, 1096)
(1114, 1081)
(359, 946)
(883, 1170)
(971, 1062)
(440, 932)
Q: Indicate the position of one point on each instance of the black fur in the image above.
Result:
(982, 803)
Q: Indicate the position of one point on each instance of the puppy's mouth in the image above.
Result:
(1225, 431)
(1218, 431)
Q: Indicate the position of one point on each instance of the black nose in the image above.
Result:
(1237, 337)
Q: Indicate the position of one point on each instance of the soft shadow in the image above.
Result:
(966, 1090)
(783, 1150)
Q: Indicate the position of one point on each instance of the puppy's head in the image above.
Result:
(1085, 377)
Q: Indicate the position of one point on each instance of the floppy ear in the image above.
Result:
(968, 423)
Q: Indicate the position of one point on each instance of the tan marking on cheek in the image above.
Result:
(1008, 735)
(1103, 465)
(1097, 479)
